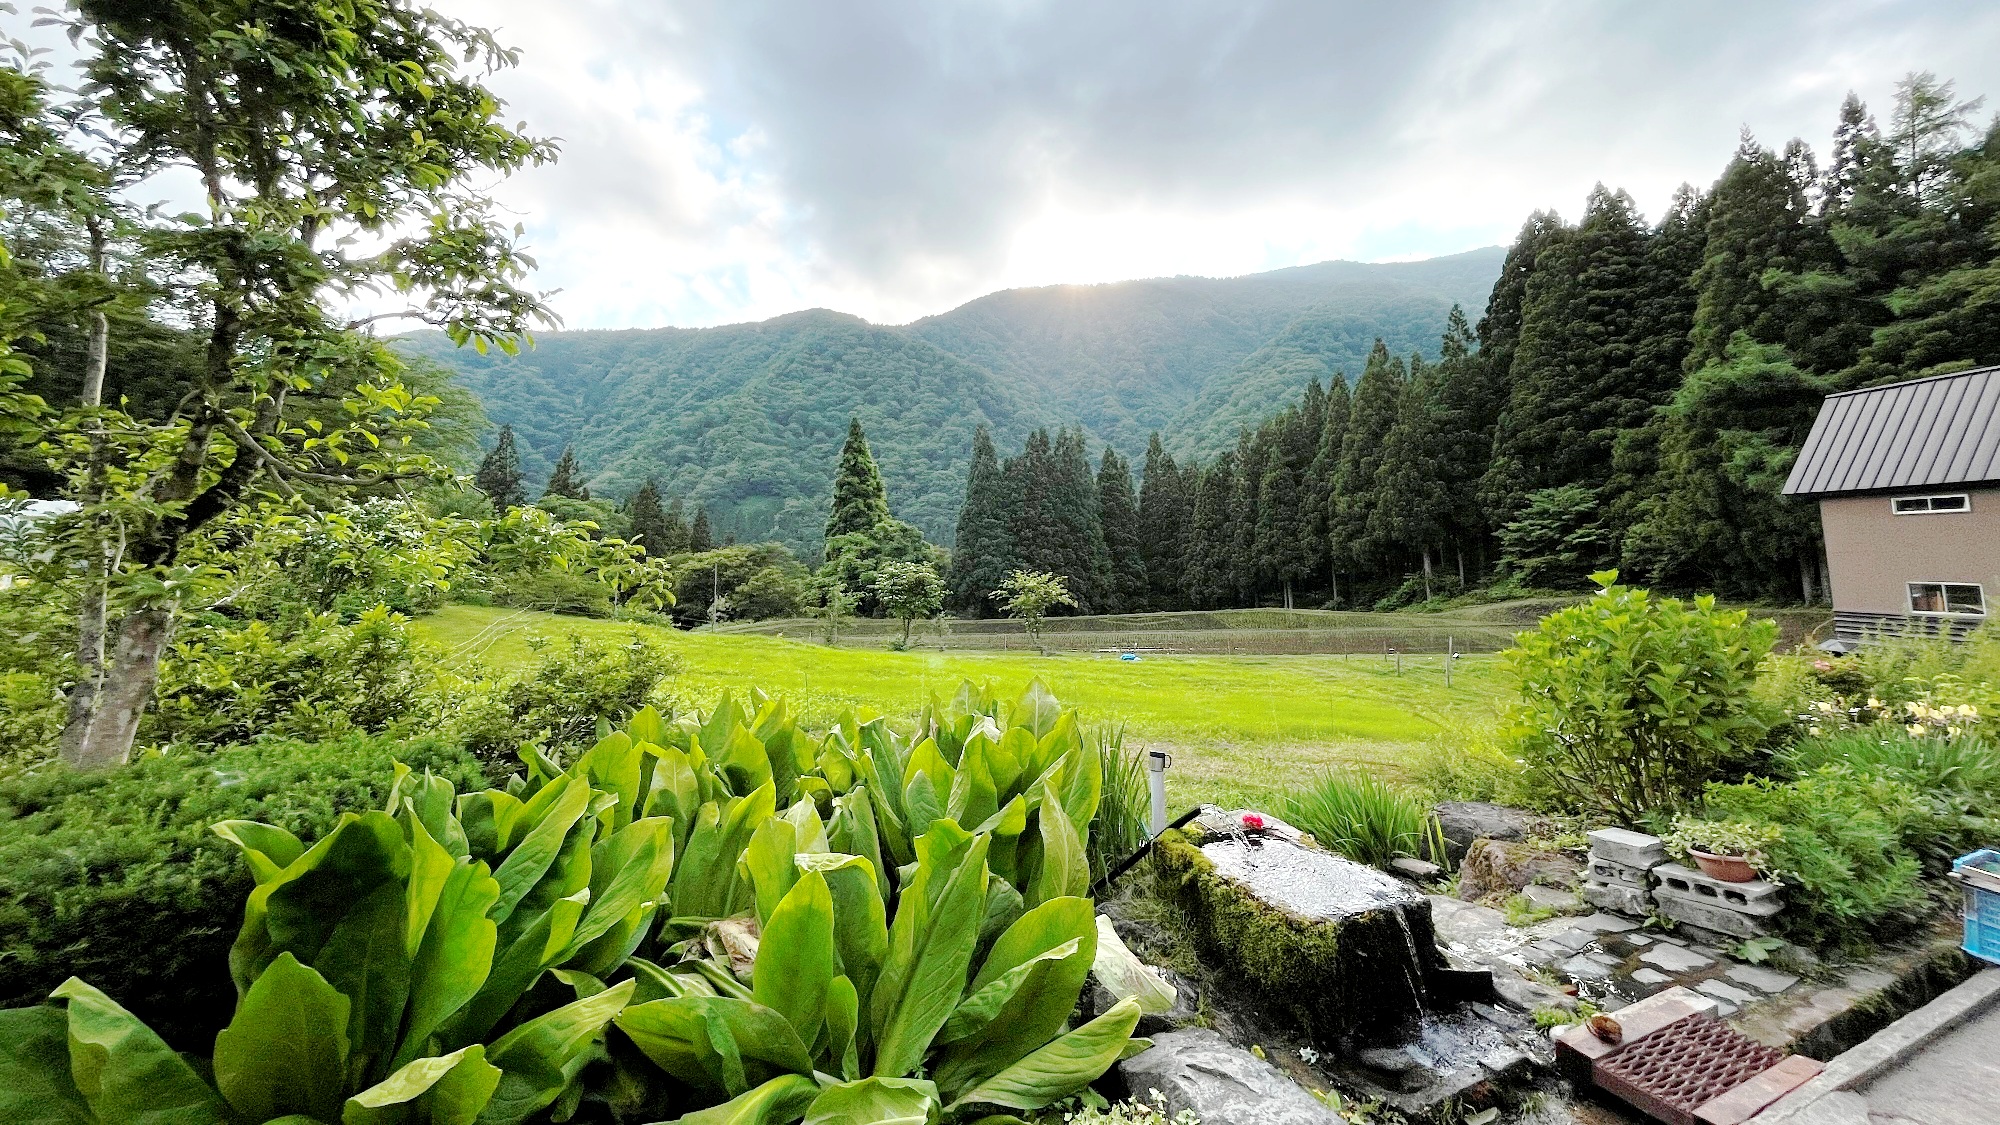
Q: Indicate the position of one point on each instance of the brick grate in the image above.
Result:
(1670, 1073)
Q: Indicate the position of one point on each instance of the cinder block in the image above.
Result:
(1634, 849)
(1711, 915)
(1612, 871)
(1736, 896)
(1618, 898)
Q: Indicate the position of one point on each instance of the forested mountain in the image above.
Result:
(747, 419)
(1634, 396)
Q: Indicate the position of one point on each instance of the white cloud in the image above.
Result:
(730, 161)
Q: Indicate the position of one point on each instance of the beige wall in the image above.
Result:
(1874, 554)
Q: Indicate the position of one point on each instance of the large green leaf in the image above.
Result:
(777, 1102)
(1079, 781)
(566, 799)
(853, 832)
(1037, 709)
(769, 861)
(843, 1018)
(706, 885)
(1022, 995)
(875, 1101)
(267, 848)
(442, 1090)
(491, 820)
(35, 1083)
(1062, 1067)
(298, 909)
(612, 766)
(542, 1056)
(974, 796)
(795, 961)
(860, 922)
(931, 943)
(515, 970)
(454, 957)
(717, 1043)
(286, 1049)
(365, 960)
(127, 1074)
(1065, 865)
(676, 791)
(744, 763)
(627, 868)
(431, 866)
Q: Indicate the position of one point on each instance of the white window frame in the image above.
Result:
(1896, 504)
(1910, 590)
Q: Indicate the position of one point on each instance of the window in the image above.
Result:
(1921, 505)
(1947, 598)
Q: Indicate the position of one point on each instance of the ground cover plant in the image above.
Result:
(1237, 728)
(775, 923)
(1364, 818)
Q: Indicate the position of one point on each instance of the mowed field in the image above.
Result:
(1240, 728)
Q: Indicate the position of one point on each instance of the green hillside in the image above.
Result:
(747, 418)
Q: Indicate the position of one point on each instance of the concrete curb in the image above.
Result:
(1888, 1048)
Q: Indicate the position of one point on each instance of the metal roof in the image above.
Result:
(1936, 431)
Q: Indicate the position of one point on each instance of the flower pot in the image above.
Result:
(1728, 868)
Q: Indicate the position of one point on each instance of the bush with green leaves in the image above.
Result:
(116, 878)
(778, 926)
(1839, 842)
(1630, 704)
(558, 697)
(1956, 781)
(1364, 818)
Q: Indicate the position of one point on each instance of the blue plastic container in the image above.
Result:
(1979, 873)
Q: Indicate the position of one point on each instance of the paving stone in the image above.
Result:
(1724, 991)
(1549, 898)
(1585, 968)
(1675, 959)
(1634, 849)
(1466, 923)
(1198, 1070)
(1651, 976)
(1725, 1008)
(1767, 980)
(1606, 960)
(1670, 939)
(1519, 992)
(1539, 958)
(1640, 940)
(1605, 924)
(1571, 941)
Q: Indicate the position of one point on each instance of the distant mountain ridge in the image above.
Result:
(748, 418)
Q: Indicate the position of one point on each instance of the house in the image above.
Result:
(1907, 476)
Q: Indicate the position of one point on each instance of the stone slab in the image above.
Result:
(1606, 924)
(1571, 940)
(1763, 980)
(1222, 1084)
(1651, 976)
(1675, 959)
(1738, 896)
(1550, 898)
(1617, 897)
(1584, 967)
(1723, 990)
(1709, 915)
(1742, 1102)
(1634, 849)
(1410, 867)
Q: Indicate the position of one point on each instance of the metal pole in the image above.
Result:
(1450, 654)
(1156, 780)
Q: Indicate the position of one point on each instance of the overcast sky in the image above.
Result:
(733, 160)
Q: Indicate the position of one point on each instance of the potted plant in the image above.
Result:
(1730, 850)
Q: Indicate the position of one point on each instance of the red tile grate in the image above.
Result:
(1671, 1072)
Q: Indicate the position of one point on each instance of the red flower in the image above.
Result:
(1252, 820)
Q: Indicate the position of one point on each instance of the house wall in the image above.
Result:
(1873, 554)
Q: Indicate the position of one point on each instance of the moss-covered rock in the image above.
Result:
(1344, 951)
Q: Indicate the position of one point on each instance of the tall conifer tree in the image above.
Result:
(1209, 576)
(1354, 497)
(566, 479)
(649, 520)
(1076, 528)
(1317, 493)
(1411, 508)
(860, 502)
(1118, 512)
(983, 552)
(1165, 510)
(499, 475)
(701, 537)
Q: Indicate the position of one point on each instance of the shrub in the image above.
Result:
(559, 697)
(1465, 762)
(1363, 818)
(116, 878)
(1839, 843)
(555, 591)
(311, 678)
(1956, 781)
(1630, 704)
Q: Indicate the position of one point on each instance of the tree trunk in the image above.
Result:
(1806, 569)
(1427, 572)
(1288, 593)
(104, 707)
(1334, 592)
(100, 326)
(1460, 548)
(906, 632)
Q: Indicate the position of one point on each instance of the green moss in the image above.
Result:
(1336, 979)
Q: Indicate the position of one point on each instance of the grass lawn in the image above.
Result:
(1240, 728)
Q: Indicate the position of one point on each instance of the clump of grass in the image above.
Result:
(1363, 818)
(1123, 812)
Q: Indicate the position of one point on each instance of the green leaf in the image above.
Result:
(612, 766)
(769, 860)
(777, 1102)
(364, 960)
(298, 909)
(627, 868)
(1062, 1067)
(931, 944)
(1022, 995)
(35, 1083)
(744, 763)
(1037, 709)
(1065, 867)
(443, 1090)
(843, 1018)
(860, 923)
(454, 958)
(853, 833)
(531, 858)
(717, 1043)
(542, 1056)
(267, 848)
(795, 956)
(286, 1049)
(125, 1072)
(875, 1101)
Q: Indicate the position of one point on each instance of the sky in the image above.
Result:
(733, 160)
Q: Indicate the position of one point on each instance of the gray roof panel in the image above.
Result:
(1916, 434)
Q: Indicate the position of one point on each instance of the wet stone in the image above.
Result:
(1572, 941)
(1605, 924)
(1651, 976)
(1587, 968)
(1640, 940)
(1549, 898)
(1766, 980)
(1675, 959)
(1722, 990)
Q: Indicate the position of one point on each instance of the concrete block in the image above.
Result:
(1618, 897)
(1710, 915)
(1634, 849)
(1740, 896)
(1612, 871)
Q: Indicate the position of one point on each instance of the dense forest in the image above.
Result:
(1634, 394)
(746, 420)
